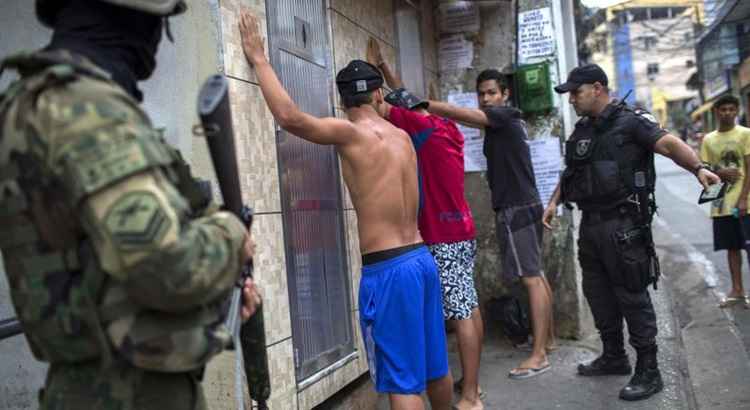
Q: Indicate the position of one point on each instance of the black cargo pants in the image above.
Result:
(610, 268)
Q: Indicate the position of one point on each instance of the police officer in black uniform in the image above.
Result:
(610, 176)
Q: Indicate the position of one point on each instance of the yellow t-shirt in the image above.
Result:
(727, 150)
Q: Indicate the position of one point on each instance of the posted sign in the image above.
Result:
(535, 35)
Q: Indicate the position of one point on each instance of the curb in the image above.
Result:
(714, 356)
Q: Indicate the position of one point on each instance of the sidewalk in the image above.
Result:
(702, 361)
(561, 388)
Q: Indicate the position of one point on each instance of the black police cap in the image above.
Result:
(585, 74)
(404, 99)
(358, 77)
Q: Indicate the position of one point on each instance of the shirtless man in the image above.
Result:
(399, 295)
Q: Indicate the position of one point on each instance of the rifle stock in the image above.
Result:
(216, 118)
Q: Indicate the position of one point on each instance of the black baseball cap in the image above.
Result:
(404, 99)
(585, 74)
(358, 77)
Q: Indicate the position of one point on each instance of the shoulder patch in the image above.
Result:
(645, 115)
(137, 221)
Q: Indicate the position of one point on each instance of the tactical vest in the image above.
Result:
(70, 310)
(605, 167)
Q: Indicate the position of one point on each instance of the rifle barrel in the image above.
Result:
(10, 327)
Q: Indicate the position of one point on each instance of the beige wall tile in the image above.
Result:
(218, 383)
(256, 147)
(271, 276)
(219, 380)
(350, 42)
(283, 378)
(234, 58)
(375, 16)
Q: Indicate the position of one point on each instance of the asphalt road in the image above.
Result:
(677, 195)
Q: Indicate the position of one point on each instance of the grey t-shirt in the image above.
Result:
(509, 170)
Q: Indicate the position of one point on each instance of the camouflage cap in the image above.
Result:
(400, 97)
(46, 10)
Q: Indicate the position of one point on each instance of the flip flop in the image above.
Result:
(525, 373)
(733, 300)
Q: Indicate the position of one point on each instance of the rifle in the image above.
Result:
(216, 121)
(10, 327)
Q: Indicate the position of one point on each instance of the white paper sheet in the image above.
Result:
(455, 53)
(459, 17)
(535, 34)
(474, 159)
(547, 162)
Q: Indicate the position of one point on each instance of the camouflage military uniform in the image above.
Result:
(116, 270)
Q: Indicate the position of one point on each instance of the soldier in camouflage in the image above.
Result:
(118, 267)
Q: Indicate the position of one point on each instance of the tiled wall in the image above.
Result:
(351, 24)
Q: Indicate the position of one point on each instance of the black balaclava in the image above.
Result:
(121, 41)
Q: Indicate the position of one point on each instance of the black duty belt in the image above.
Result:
(604, 215)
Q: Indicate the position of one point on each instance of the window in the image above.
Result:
(649, 42)
(659, 13)
(652, 70)
(312, 213)
(638, 14)
(689, 63)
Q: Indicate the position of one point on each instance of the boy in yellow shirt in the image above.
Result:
(727, 151)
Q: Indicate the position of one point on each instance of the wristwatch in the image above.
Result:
(700, 167)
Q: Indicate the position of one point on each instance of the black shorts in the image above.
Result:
(730, 233)
(519, 233)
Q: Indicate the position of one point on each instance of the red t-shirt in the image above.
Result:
(444, 214)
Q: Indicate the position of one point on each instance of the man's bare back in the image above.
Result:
(380, 170)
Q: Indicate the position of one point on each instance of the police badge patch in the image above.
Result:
(647, 115)
(582, 147)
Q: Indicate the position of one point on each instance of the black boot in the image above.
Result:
(647, 379)
(612, 361)
(606, 365)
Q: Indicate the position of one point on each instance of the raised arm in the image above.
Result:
(326, 131)
(674, 148)
(472, 117)
(375, 57)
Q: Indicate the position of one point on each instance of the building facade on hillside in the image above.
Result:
(646, 47)
(723, 51)
(308, 261)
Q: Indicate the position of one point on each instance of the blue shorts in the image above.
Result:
(401, 315)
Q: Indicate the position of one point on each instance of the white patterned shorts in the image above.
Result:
(455, 263)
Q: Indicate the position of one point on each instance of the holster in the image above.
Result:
(639, 265)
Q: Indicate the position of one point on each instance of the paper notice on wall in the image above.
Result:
(535, 34)
(455, 53)
(547, 162)
(459, 17)
(474, 159)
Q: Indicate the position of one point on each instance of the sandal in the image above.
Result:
(733, 300)
(520, 373)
